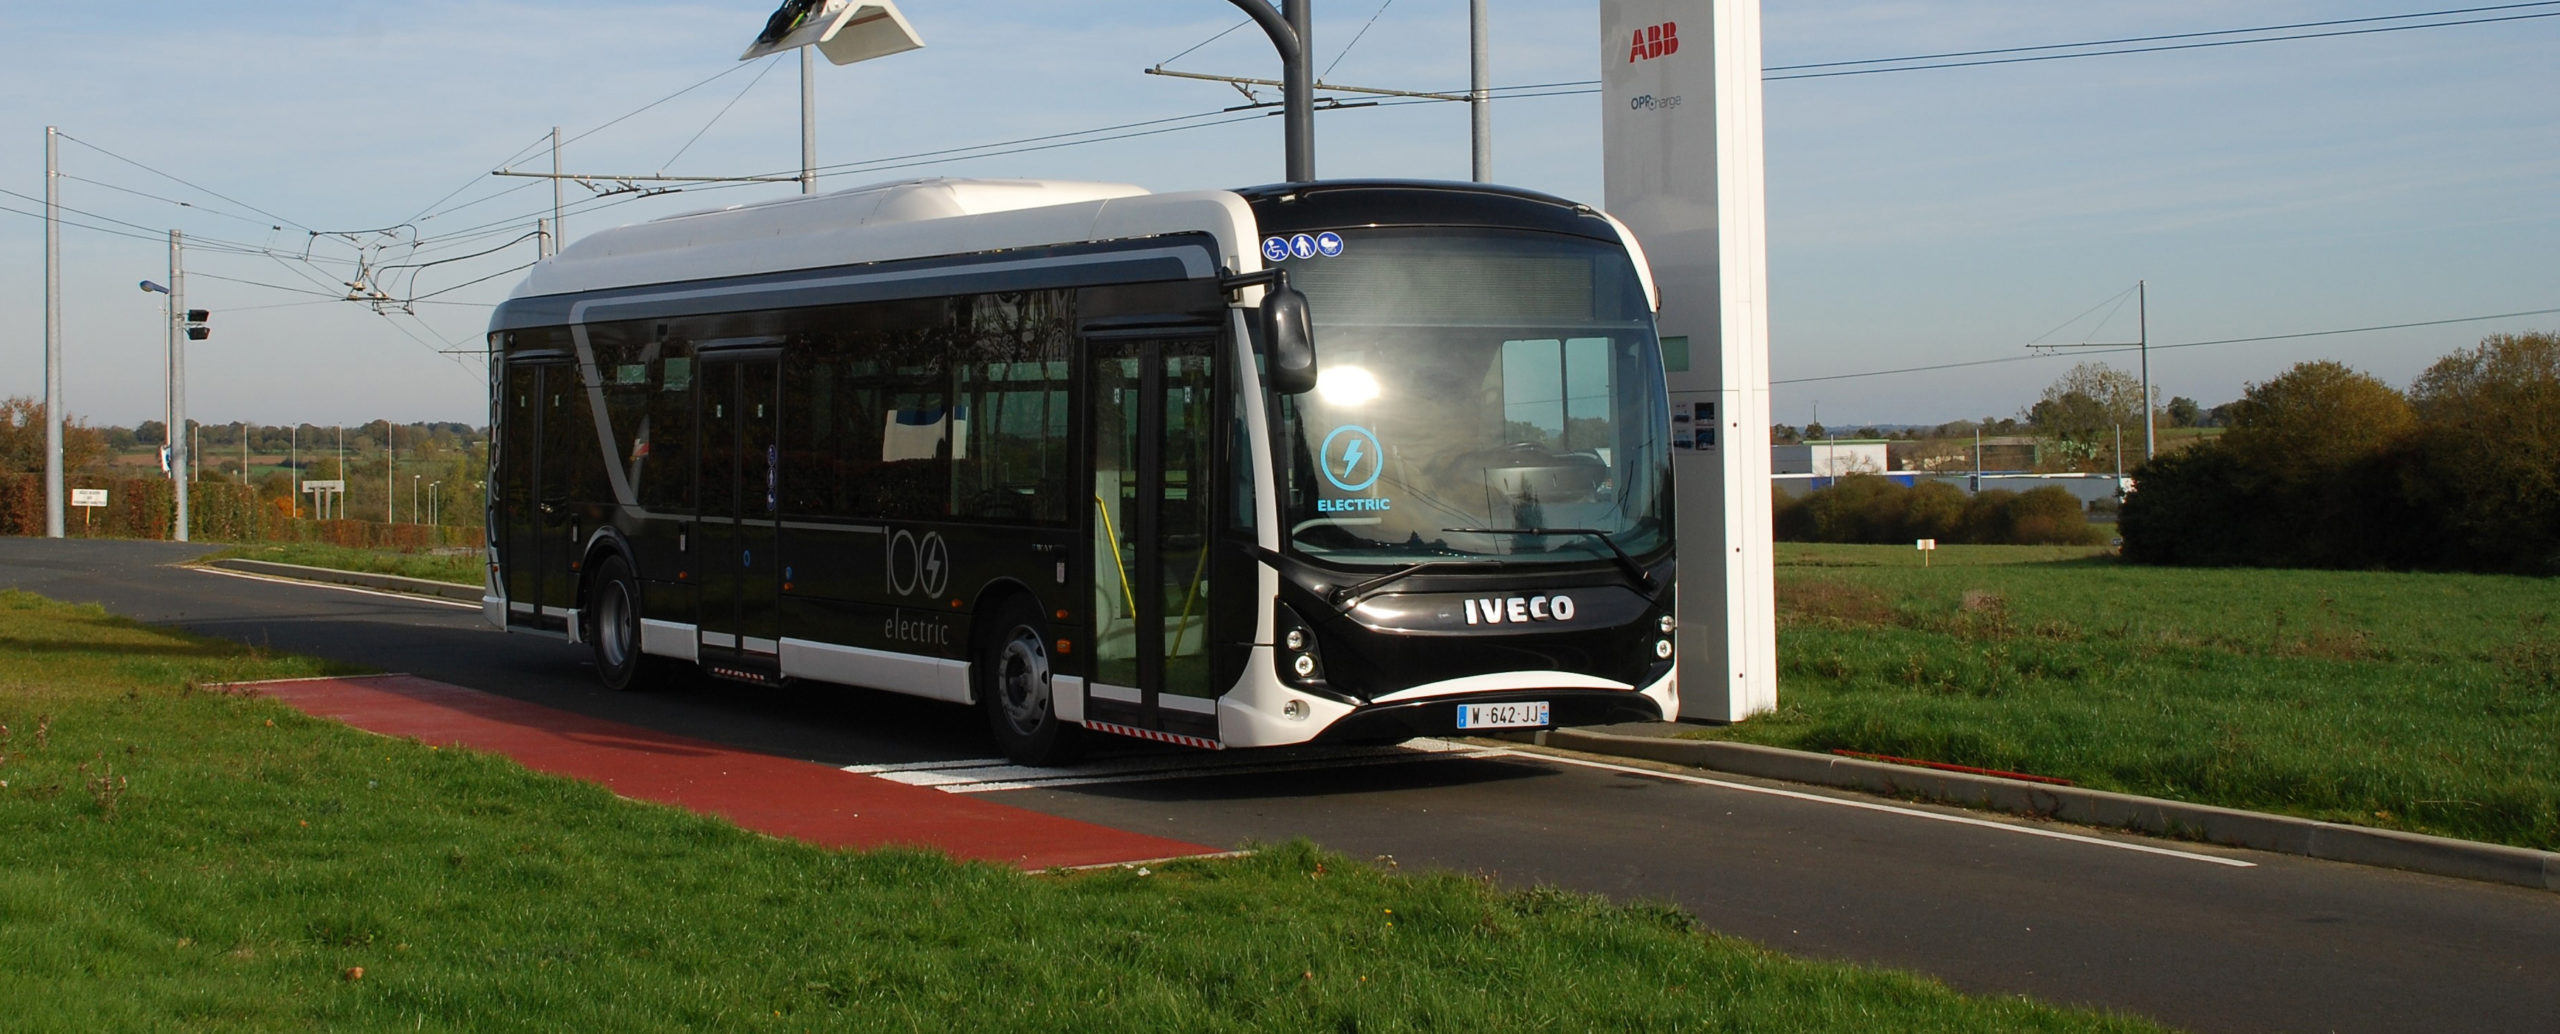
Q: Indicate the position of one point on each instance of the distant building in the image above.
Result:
(1831, 457)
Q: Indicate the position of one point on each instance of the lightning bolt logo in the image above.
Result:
(1362, 444)
(935, 554)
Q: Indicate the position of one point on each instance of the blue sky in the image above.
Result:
(1914, 219)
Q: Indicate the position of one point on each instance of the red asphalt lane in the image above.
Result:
(802, 800)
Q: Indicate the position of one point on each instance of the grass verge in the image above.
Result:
(183, 859)
(462, 569)
(2426, 702)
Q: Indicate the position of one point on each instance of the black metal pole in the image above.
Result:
(1291, 28)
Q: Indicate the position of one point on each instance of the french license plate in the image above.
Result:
(1502, 716)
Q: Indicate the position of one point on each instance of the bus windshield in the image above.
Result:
(1474, 387)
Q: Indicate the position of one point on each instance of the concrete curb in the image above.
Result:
(2440, 856)
(360, 579)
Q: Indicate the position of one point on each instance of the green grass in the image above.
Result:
(465, 568)
(184, 859)
(2427, 702)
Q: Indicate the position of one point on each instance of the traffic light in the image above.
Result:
(196, 329)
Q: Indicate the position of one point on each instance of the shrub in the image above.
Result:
(1870, 509)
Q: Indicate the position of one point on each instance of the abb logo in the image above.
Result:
(1654, 41)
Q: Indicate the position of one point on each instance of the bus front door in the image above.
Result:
(1152, 436)
(740, 569)
(533, 519)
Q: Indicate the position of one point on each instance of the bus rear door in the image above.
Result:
(740, 570)
(534, 523)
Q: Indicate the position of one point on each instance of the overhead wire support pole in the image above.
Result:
(2141, 345)
(553, 242)
(1291, 28)
(808, 125)
(2142, 315)
(53, 495)
(179, 452)
(1480, 90)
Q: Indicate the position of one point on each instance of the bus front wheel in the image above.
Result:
(1012, 670)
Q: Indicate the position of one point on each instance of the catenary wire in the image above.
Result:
(2183, 344)
(724, 112)
(423, 215)
(1213, 39)
(1372, 22)
(183, 183)
(2158, 49)
(2159, 38)
(169, 200)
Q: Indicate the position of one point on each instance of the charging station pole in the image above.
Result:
(1681, 139)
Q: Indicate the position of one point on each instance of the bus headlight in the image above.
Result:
(1299, 660)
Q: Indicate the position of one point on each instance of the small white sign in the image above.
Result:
(1928, 544)
(88, 497)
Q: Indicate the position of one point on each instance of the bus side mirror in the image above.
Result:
(1289, 335)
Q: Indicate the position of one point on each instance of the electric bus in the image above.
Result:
(1313, 462)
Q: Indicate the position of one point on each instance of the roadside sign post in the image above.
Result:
(88, 499)
(1927, 546)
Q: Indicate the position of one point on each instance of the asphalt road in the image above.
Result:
(2170, 931)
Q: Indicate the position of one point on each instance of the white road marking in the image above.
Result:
(991, 775)
(994, 775)
(1891, 809)
(438, 601)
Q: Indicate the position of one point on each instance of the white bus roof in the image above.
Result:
(887, 221)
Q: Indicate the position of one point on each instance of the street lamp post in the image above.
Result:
(176, 432)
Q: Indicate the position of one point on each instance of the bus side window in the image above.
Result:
(1012, 459)
(903, 468)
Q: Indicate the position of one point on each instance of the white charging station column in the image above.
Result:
(1681, 140)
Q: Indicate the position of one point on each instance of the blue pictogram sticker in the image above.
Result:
(1329, 244)
(1348, 451)
(1275, 249)
(1302, 246)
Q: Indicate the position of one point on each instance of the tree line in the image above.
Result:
(434, 471)
(2326, 466)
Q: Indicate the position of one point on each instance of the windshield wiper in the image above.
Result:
(1348, 597)
(1633, 569)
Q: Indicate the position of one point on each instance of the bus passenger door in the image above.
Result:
(532, 522)
(1153, 437)
(741, 515)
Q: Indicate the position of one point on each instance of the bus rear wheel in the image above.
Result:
(612, 617)
(1012, 672)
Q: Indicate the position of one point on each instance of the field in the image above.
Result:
(2426, 702)
(187, 859)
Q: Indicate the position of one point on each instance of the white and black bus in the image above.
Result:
(1335, 461)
